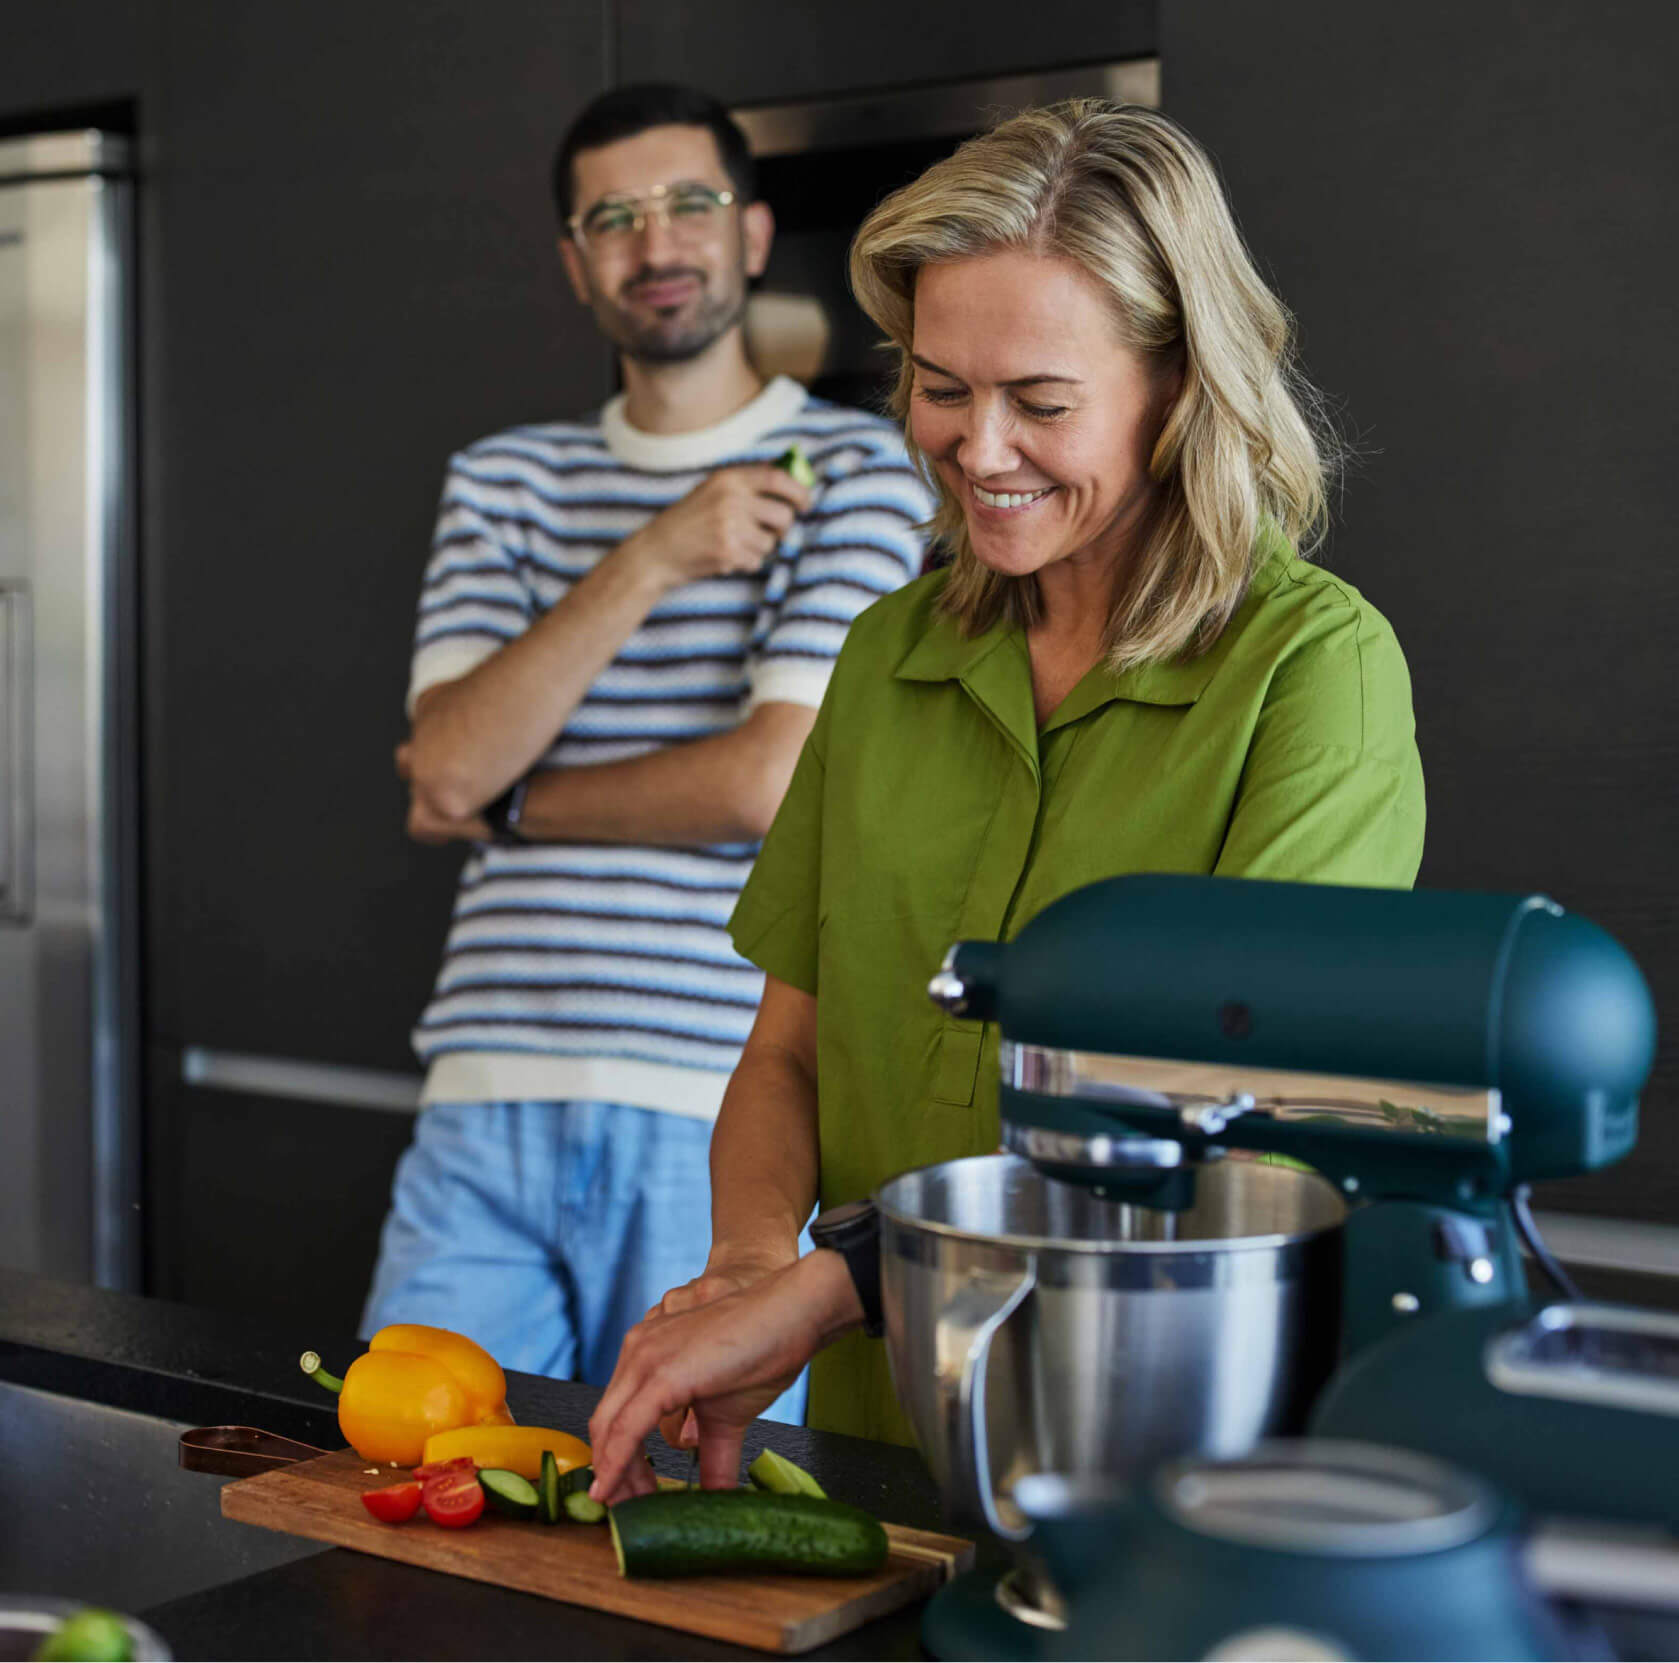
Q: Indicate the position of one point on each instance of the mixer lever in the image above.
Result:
(1209, 1119)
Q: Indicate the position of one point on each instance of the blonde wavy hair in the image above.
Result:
(1136, 202)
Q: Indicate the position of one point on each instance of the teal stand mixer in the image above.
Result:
(1429, 1055)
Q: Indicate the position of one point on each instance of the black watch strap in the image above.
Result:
(853, 1231)
(504, 814)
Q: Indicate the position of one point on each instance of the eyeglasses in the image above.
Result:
(688, 211)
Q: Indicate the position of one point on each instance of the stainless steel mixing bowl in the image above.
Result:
(1035, 1327)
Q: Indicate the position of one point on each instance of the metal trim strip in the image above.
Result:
(312, 1082)
(1611, 1243)
(17, 761)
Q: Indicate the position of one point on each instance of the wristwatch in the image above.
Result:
(853, 1231)
(504, 814)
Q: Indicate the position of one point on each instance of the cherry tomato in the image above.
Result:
(394, 1503)
(453, 1499)
(461, 1463)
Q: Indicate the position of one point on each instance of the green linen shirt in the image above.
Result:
(929, 807)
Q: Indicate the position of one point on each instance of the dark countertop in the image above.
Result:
(178, 1363)
(126, 1366)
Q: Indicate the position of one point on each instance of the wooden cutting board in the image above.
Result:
(319, 1499)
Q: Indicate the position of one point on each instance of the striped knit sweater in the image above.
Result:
(604, 971)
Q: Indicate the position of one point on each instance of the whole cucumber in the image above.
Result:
(694, 1532)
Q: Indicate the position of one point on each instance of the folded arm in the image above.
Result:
(474, 736)
(724, 788)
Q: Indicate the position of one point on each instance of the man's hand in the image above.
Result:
(732, 522)
(425, 823)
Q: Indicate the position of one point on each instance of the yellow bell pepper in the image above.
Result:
(411, 1382)
(517, 1448)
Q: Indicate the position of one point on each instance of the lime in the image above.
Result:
(91, 1636)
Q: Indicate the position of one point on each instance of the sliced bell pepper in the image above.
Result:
(517, 1448)
(411, 1382)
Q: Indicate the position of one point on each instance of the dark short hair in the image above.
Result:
(626, 111)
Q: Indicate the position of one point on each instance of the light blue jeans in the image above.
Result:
(545, 1230)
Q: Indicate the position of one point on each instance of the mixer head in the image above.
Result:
(1428, 1044)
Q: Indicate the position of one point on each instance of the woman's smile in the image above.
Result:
(1007, 502)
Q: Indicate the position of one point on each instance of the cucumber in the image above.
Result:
(794, 460)
(509, 1493)
(566, 1494)
(583, 1507)
(548, 1491)
(579, 1478)
(782, 1477)
(691, 1532)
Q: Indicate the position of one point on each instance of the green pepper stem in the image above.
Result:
(310, 1363)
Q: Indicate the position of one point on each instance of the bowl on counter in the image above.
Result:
(1035, 1326)
(27, 1621)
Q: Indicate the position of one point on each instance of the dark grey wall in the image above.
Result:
(1472, 211)
(767, 51)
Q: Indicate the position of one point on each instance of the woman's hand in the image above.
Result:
(727, 1360)
(725, 1273)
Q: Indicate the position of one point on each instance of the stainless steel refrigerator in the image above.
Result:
(69, 1116)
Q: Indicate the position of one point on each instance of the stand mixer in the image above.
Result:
(1428, 1055)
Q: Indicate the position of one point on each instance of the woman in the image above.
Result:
(1127, 667)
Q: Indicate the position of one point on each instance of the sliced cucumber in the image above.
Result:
(794, 460)
(582, 1507)
(691, 1532)
(579, 1478)
(548, 1491)
(782, 1477)
(509, 1493)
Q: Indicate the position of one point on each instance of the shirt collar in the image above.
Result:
(704, 447)
(944, 653)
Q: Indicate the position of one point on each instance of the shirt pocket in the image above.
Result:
(956, 1062)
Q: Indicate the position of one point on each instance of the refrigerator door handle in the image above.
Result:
(17, 773)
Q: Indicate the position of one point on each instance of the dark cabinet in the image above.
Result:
(270, 1206)
(1405, 178)
(765, 51)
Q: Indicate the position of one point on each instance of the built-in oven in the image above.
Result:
(824, 163)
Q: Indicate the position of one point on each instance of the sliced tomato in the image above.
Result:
(461, 1463)
(453, 1499)
(394, 1503)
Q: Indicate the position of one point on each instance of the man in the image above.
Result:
(625, 629)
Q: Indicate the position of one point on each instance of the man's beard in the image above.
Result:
(677, 339)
